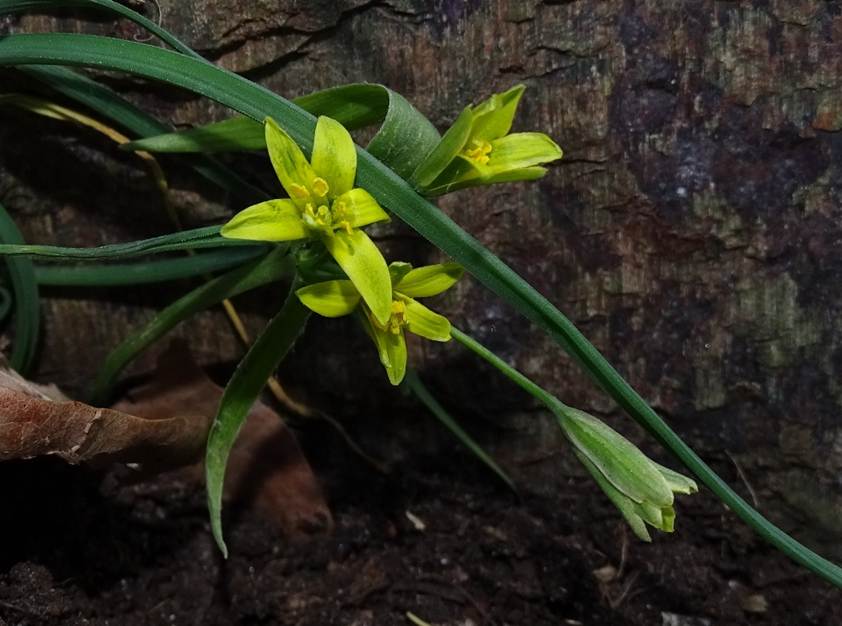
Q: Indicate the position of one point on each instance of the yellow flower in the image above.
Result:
(479, 150)
(336, 298)
(323, 205)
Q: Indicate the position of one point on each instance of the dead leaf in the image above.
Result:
(163, 425)
(266, 469)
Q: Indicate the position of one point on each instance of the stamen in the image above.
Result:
(478, 152)
(299, 192)
(320, 187)
(398, 317)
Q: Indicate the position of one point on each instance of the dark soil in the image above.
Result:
(80, 548)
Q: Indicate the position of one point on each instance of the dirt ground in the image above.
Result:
(440, 539)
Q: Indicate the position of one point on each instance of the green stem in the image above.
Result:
(691, 460)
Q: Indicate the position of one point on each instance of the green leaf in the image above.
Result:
(404, 139)
(27, 306)
(334, 157)
(233, 134)
(395, 194)
(273, 267)
(207, 237)
(430, 280)
(240, 394)
(144, 272)
(14, 6)
(273, 220)
(331, 298)
(353, 106)
(414, 384)
(362, 261)
(425, 323)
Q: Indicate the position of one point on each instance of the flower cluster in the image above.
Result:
(325, 208)
(326, 212)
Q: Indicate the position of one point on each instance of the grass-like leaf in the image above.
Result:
(420, 391)
(272, 267)
(144, 272)
(242, 390)
(25, 290)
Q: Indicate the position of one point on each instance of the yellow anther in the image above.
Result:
(398, 317)
(299, 192)
(478, 152)
(320, 187)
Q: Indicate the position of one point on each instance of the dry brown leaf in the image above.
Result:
(164, 425)
(266, 468)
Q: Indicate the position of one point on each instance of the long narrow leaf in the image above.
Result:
(421, 392)
(115, 108)
(144, 272)
(393, 192)
(271, 268)
(14, 6)
(206, 237)
(404, 138)
(25, 290)
(242, 390)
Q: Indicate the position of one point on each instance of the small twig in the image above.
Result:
(743, 478)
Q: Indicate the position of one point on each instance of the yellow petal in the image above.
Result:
(493, 118)
(429, 280)
(361, 260)
(391, 348)
(290, 165)
(520, 150)
(423, 322)
(334, 155)
(331, 298)
(362, 207)
(273, 220)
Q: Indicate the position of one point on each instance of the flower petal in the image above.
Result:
(331, 298)
(273, 220)
(360, 259)
(429, 280)
(627, 507)
(397, 270)
(679, 483)
(363, 208)
(450, 145)
(423, 322)
(511, 176)
(391, 348)
(290, 164)
(619, 460)
(334, 155)
(520, 150)
(493, 118)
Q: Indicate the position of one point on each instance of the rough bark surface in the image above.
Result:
(691, 230)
